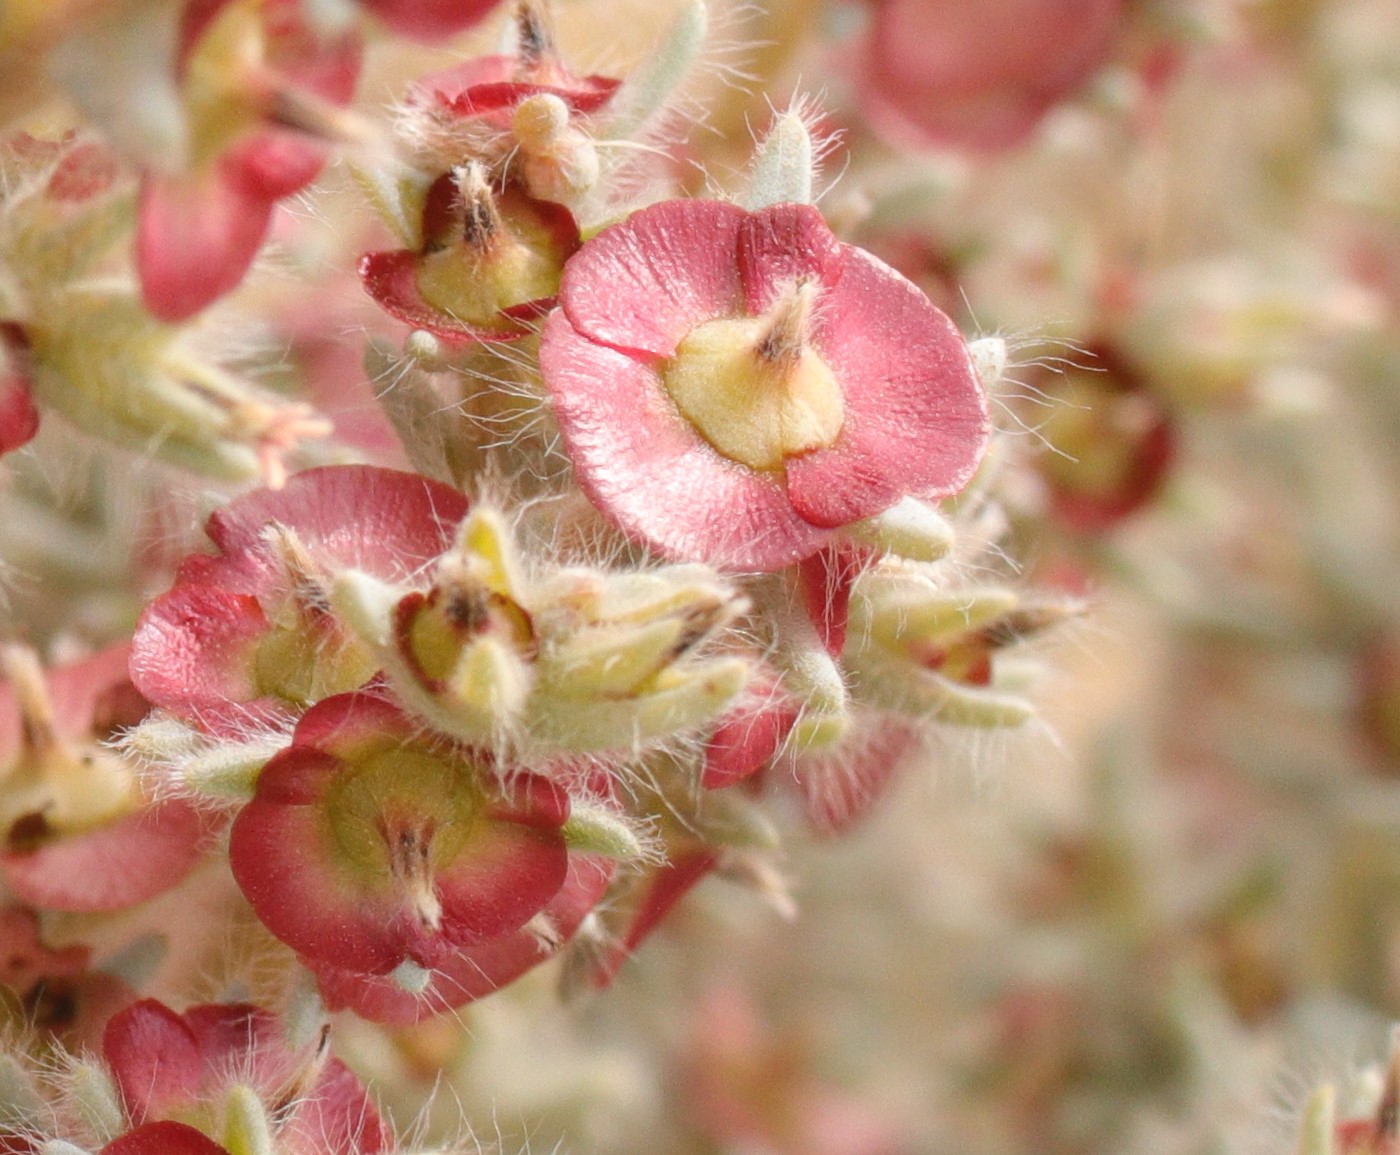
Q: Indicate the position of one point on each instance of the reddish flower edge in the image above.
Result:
(19, 416)
(488, 84)
(164, 1138)
(661, 891)
(475, 972)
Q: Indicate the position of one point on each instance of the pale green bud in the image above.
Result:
(94, 1097)
(1319, 1124)
(593, 828)
(782, 167)
(247, 1129)
(909, 529)
(647, 89)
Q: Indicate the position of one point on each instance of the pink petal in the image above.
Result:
(384, 521)
(750, 733)
(111, 868)
(587, 95)
(337, 1117)
(91, 699)
(648, 470)
(345, 725)
(508, 874)
(241, 1031)
(268, 166)
(19, 418)
(490, 83)
(781, 245)
(285, 859)
(916, 417)
(642, 285)
(305, 57)
(163, 1138)
(197, 645)
(282, 860)
(445, 87)
(155, 1059)
(476, 971)
(197, 234)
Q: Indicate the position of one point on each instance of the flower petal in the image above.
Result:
(384, 521)
(826, 579)
(916, 416)
(391, 278)
(660, 892)
(163, 1138)
(781, 245)
(196, 235)
(750, 733)
(429, 20)
(196, 644)
(19, 417)
(944, 72)
(286, 866)
(645, 283)
(111, 868)
(840, 787)
(155, 1059)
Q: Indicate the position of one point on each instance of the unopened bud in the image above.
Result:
(782, 168)
(909, 529)
(247, 1129)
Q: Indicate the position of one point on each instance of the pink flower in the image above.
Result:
(1114, 441)
(488, 267)
(979, 73)
(251, 624)
(368, 843)
(169, 1067)
(258, 82)
(647, 901)
(733, 386)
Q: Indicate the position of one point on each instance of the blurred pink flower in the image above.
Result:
(255, 78)
(979, 74)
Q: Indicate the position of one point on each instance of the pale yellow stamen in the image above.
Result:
(755, 388)
(410, 858)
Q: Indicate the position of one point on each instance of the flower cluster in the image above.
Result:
(593, 510)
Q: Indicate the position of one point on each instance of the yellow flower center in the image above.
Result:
(754, 387)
